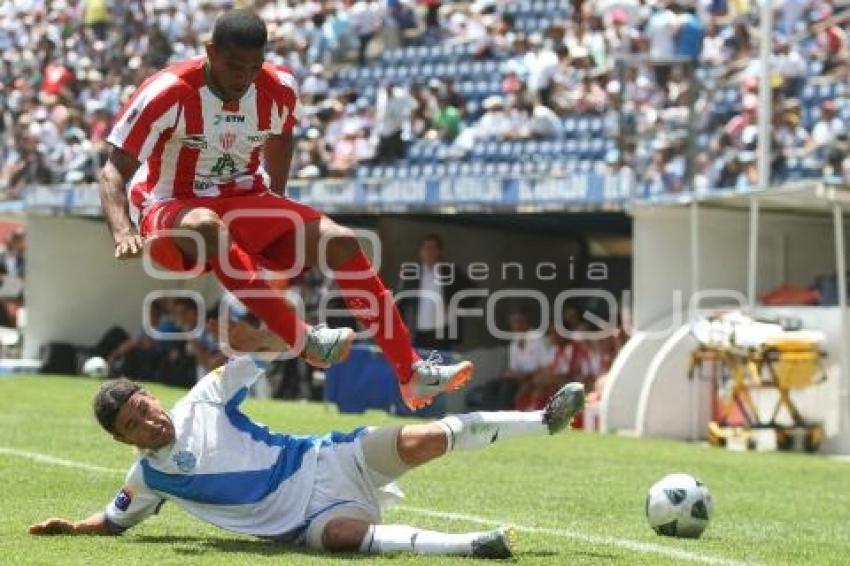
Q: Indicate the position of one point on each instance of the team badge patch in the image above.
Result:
(184, 460)
(123, 499)
(227, 139)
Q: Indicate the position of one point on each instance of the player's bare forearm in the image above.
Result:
(278, 158)
(94, 525)
(113, 200)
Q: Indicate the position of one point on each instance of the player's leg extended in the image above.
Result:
(389, 452)
(272, 309)
(359, 283)
(345, 534)
(320, 347)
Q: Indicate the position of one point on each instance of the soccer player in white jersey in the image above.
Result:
(325, 492)
(200, 158)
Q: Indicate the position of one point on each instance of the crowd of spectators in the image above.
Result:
(66, 66)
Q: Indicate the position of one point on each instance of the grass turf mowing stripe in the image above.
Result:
(644, 547)
(635, 546)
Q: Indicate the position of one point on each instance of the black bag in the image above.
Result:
(111, 339)
(59, 357)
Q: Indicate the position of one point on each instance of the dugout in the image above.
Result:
(76, 290)
(730, 247)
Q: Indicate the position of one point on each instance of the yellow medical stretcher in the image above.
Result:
(785, 363)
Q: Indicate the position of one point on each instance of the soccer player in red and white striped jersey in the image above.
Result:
(204, 146)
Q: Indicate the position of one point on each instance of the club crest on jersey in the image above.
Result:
(227, 140)
(184, 460)
(195, 141)
(123, 499)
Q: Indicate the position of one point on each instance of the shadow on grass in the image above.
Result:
(198, 546)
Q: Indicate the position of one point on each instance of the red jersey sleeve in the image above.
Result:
(286, 97)
(151, 113)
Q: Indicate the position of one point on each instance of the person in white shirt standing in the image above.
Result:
(427, 296)
(325, 492)
(367, 17)
(661, 32)
(394, 108)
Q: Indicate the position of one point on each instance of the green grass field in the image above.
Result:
(576, 498)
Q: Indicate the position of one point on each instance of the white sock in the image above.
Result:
(477, 430)
(381, 539)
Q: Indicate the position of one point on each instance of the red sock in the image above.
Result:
(272, 309)
(391, 332)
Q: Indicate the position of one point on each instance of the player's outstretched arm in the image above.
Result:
(119, 168)
(264, 345)
(94, 525)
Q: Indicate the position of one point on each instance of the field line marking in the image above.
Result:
(47, 459)
(636, 546)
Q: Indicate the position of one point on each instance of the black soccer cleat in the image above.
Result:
(497, 544)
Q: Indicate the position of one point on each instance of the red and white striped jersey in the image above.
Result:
(191, 144)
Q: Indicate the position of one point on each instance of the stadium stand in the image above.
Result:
(492, 87)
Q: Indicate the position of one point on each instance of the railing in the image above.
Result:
(576, 192)
(584, 191)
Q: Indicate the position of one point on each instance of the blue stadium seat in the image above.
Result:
(582, 125)
(479, 151)
(597, 147)
(596, 126)
(809, 93)
(570, 127)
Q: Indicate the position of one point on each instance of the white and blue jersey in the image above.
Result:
(223, 467)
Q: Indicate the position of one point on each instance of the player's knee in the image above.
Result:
(344, 534)
(341, 241)
(418, 444)
(205, 223)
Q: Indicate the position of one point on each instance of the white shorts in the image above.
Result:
(346, 487)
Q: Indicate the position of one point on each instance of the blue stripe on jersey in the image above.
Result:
(240, 488)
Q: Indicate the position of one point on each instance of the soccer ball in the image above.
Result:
(96, 368)
(679, 505)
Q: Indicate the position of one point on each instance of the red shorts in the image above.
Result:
(253, 222)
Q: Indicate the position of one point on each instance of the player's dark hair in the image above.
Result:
(432, 238)
(187, 302)
(239, 28)
(109, 400)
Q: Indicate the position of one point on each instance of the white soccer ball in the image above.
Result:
(679, 505)
(96, 367)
